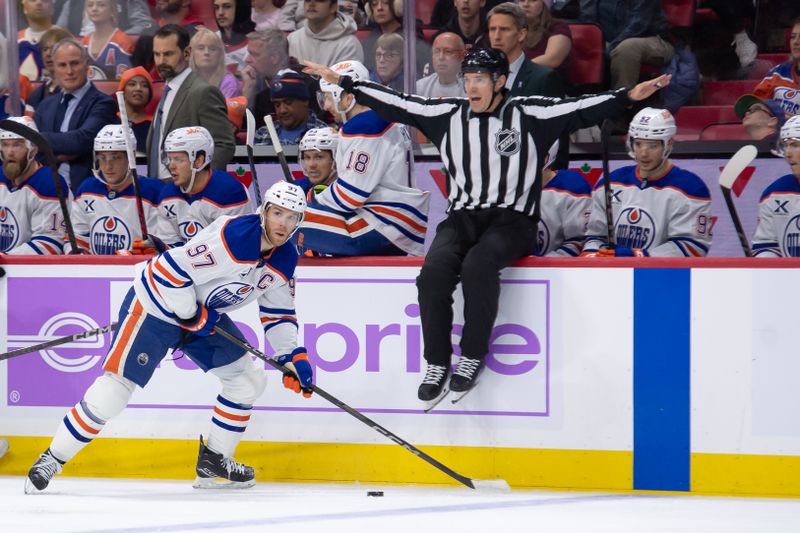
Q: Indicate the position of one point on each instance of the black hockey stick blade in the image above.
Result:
(249, 140)
(492, 484)
(605, 134)
(52, 163)
(57, 342)
(276, 144)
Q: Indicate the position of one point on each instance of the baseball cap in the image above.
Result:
(746, 102)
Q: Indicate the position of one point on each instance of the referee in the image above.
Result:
(493, 147)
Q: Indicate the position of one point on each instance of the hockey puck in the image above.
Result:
(375, 493)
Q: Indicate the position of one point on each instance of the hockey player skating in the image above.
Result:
(368, 209)
(566, 206)
(317, 150)
(104, 214)
(31, 220)
(659, 209)
(493, 147)
(176, 299)
(197, 194)
(777, 233)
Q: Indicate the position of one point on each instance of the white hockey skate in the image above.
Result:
(217, 472)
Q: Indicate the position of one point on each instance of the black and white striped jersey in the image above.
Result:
(493, 159)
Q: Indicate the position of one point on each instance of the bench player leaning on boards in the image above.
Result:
(176, 299)
(658, 209)
(31, 221)
(777, 233)
(104, 213)
(493, 147)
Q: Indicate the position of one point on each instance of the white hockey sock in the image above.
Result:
(77, 430)
(228, 424)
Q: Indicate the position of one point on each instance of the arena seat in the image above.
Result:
(587, 54)
(205, 11)
(692, 119)
(764, 63)
(726, 92)
(158, 88)
(724, 131)
(361, 34)
(680, 13)
(108, 87)
(429, 33)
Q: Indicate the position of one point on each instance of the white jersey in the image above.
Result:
(565, 210)
(106, 221)
(31, 221)
(371, 185)
(222, 267)
(667, 216)
(778, 230)
(182, 216)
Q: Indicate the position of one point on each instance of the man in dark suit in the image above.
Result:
(187, 100)
(508, 28)
(71, 119)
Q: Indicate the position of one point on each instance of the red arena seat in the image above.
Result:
(680, 13)
(726, 92)
(724, 131)
(587, 54)
(692, 119)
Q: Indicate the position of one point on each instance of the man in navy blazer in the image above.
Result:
(70, 120)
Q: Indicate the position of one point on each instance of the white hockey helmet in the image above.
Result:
(355, 70)
(286, 195)
(192, 140)
(109, 139)
(25, 121)
(790, 131)
(652, 124)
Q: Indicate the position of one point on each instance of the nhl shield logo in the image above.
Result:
(507, 142)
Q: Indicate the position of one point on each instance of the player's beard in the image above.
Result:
(14, 169)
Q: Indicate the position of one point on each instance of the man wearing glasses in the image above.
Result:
(448, 52)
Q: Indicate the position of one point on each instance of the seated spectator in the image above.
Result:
(762, 119)
(208, 62)
(777, 232)
(732, 15)
(70, 120)
(326, 36)
(32, 218)
(265, 14)
(782, 83)
(469, 23)
(660, 209)
(387, 18)
(292, 15)
(177, 12)
(137, 86)
(134, 17)
(39, 16)
(49, 85)
(507, 31)
(104, 213)
(389, 61)
(317, 153)
(549, 40)
(109, 49)
(445, 10)
(291, 99)
(636, 34)
(448, 52)
(233, 21)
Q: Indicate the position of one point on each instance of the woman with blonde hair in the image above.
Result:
(109, 48)
(549, 40)
(208, 61)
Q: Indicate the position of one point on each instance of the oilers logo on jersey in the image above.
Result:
(544, 236)
(788, 97)
(635, 228)
(109, 234)
(189, 228)
(228, 295)
(791, 237)
(9, 230)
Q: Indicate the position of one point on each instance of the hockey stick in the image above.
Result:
(58, 342)
(137, 191)
(605, 133)
(276, 143)
(251, 134)
(740, 160)
(50, 160)
(494, 484)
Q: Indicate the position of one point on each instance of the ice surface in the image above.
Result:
(84, 505)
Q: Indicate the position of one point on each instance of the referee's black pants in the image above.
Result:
(471, 247)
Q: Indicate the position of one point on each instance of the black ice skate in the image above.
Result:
(465, 377)
(217, 472)
(433, 389)
(42, 471)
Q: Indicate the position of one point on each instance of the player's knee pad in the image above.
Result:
(242, 381)
(108, 395)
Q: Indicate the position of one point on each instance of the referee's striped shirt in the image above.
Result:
(494, 159)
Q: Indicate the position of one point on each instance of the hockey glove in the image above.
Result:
(622, 251)
(152, 245)
(302, 377)
(589, 254)
(202, 324)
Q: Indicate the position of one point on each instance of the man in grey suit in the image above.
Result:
(187, 100)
